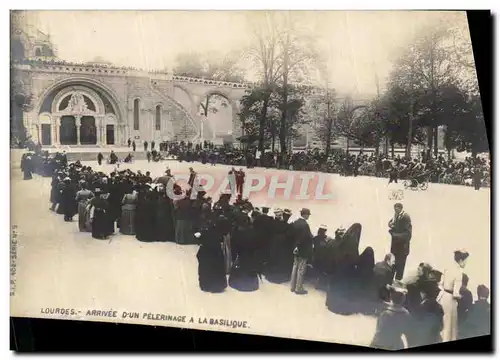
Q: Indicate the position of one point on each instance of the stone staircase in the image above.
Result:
(185, 127)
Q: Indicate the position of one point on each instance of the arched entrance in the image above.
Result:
(68, 130)
(78, 114)
(88, 131)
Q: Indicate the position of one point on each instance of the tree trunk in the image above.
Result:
(392, 150)
(410, 135)
(435, 136)
(377, 149)
(328, 138)
(347, 145)
(262, 122)
(430, 133)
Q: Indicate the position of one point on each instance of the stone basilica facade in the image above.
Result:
(97, 103)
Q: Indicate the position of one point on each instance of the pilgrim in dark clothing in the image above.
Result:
(27, 167)
(383, 274)
(400, 228)
(477, 179)
(100, 220)
(392, 323)
(245, 271)
(60, 187)
(414, 285)
(344, 252)
(364, 267)
(68, 196)
(145, 217)
(113, 159)
(99, 158)
(184, 222)
(302, 252)
(427, 317)
(464, 304)
(211, 266)
(165, 228)
(133, 146)
(55, 191)
(478, 322)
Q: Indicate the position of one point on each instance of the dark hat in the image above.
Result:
(265, 209)
(305, 211)
(287, 212)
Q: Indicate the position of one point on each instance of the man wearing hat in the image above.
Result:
(400, 228)
(303, 251)
(393, 322)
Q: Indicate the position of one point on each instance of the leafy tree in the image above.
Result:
(323, 112)
(422, 69)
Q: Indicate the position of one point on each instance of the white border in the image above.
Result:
(184, 5)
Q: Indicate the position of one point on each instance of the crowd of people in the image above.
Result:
(471, 171)
(239, 244)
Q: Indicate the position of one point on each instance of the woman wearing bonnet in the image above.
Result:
(451, 284)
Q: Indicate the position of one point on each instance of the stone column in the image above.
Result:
(57, 130)
(98, 125)
(104, 134)
(78, 122)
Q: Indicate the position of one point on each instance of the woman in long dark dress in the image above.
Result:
(211, 267)
(27, 167)
(244, 273)
(100, 220)
(165, 230)
(184, 223)
(145, 216)
(340, 298)
(59, 198)
(69, 204)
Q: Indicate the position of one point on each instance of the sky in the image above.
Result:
(358, 45)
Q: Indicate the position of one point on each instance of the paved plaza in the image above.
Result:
(60, 267)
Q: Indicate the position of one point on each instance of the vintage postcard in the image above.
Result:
(317, 175)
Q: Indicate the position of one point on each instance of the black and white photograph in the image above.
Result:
(314, 175)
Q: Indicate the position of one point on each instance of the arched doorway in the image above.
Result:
(88, 131)
(216, 111)
(67, 130)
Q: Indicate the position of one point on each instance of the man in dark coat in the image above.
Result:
(400, 228)
(133, 146)
(129, 142)
(383, 273)
(303, 251)
(145, 146)
(153, 145)
(478, 321)
(192, 177)
(99, 158)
